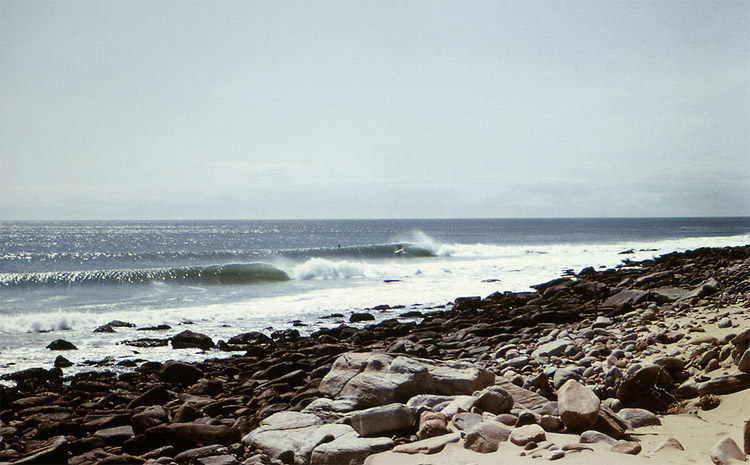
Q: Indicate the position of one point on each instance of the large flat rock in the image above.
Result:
(372, 379)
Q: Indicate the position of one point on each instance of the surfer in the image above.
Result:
(399, 250)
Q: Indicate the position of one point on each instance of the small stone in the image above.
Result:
(627, 447)
(724, 323)
(591, 437)
(669, 443)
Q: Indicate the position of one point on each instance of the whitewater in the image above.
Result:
(64, 280)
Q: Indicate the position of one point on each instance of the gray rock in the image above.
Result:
(348, 449)
(495, 400)
(194, 454)
(563, 375)
(578, 406)
(486, 437)
(384, 419)
(592, 437)
(724, 323)
(639, 417)
(627, 447)
(218, 460)
(428, 446)
(725, 384)
(550, 349)
(292, 436)
(466, 421)
(152, 416)
(373, 379)
(744, 362)
(526, 434)
(628, 296)
(726, 452)
(115, 436)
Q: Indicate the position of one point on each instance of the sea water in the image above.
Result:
(222, 278)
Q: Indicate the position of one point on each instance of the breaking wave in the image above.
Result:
(213, 274)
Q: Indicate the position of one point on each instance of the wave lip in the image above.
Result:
(212, 274)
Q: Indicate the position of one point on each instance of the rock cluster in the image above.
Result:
(588, 354)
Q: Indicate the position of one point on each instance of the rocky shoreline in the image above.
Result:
(591, 363)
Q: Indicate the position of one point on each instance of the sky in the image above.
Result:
(373, 109)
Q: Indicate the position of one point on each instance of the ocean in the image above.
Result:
(223, 278)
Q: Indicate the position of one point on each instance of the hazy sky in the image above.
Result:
(348, 109)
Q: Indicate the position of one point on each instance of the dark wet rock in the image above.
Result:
(185, 436)
(120, 324)
(156, 395)
(647, 388)
(250, 338)
(285, 335)
(155, 328)
(626, 297)
(61, 344)
(147, 342)
(115, 436)
(153, 416)
(180, 373)
(360, 317)
(54, 450)
(191, 340)
(105, 329)
(205, 451)
(62, 362)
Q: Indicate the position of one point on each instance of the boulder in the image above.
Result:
(373, 379)
(639, 417)
(62, 362)
(348, 449)
(578, 405)
(647, 388)
(251, 338)
(153, 416)
(495, 400)
(627, 447)
(609, 423)
(176, 372)
(626, 297)
(115, 436)
(743, 364)
(428, 446)
(592, 437)
(486, 437)
(432, 424)
(192, 340)
(55, 450)
(156, 395)
(526, 434)
(185, 436)
(384, 419)
(727, 452)
(61, 344)
(292, 436)
(727, 384)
